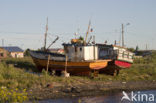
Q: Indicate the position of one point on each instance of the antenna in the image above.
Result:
(115, 42)
(45, 39)
(77, 32)
(89, 39)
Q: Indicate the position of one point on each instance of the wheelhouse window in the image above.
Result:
(1, 54)
(80, 49)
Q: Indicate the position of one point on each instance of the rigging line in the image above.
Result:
(18, 32)
(38, 42)
(50, 37)
(55, 33)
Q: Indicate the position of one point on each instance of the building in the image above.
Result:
(3, 53)
(11, 51)
(143, 53)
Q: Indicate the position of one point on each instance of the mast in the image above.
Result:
(87, 32)
(45, 39)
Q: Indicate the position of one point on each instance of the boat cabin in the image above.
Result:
(114, 52)
(80, 52)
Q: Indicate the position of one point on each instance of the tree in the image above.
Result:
(131, 49)
(26, 53)
(137, 48)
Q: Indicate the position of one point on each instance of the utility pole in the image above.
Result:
(146, 46)
(123, 45)
(2, 42)
(122, 35)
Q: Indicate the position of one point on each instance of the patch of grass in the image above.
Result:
(23, 63)
(142, 69)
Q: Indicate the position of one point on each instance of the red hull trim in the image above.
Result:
(122, 64)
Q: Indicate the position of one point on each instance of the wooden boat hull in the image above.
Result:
(74, 68)
(114, 67)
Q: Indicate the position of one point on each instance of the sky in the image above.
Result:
(22, 22)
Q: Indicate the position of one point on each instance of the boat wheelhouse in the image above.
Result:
(81, 52)
(120, 56)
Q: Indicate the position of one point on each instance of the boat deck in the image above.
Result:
(106, 60)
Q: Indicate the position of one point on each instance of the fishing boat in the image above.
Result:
(80, 58)
(121, 57)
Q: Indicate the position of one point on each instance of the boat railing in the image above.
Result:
(124, 55)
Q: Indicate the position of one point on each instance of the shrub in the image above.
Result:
(12, 96)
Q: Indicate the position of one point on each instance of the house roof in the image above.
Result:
(12, 49)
